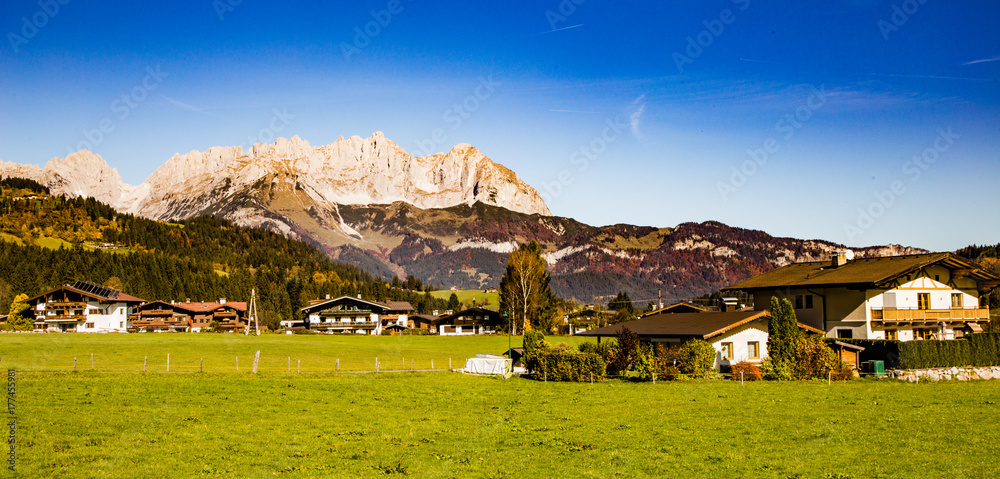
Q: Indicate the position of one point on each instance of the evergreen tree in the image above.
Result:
(453, 303)
(783, 338)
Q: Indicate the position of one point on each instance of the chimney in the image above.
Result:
(359, 295)
(222, 300)
(839, 259)
(328, 296)
(730, 304)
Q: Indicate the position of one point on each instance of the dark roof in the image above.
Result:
(426, 317)
(698, 325)
(322, 304)
(863, 271)
(490, 314)
(679, 307)
(398, 305)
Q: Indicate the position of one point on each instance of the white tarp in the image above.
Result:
(488, 364)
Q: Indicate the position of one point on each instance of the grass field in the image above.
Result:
(440, 424)
(467, 295)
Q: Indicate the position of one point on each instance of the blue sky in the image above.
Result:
(617, 112)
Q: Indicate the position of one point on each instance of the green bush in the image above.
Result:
(645, 362)
(623, 357)
(696, 357)
(975, 350)
(564, 364)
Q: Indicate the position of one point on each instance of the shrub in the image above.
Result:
(533, 340)
(696, 357)
(814, 359)
(624, 353)
(305, 331)
(645, 362)
(775, 371)
(746, 371)
(565, 364)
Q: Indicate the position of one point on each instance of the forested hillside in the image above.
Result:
(51, 240)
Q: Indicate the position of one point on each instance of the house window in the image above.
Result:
(891, 334)
(727, 351)
(923, 301)
(923, 333)
(845, 333)
(94, 311)
(753, 350)
(803, 301)
(90, 325)
(956, 300)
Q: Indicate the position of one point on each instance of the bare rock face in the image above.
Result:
(349, 171)
(80, 174)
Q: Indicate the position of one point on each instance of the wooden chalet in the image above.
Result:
(82, 307)
(423, 321)
(158, 316)
(345, 314)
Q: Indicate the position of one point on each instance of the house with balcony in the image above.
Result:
(468, 322)
(161, 316)
(83, 307)
(910, 297)
(345, 314)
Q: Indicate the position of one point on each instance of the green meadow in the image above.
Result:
(115, 421)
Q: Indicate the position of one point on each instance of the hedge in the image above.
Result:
(975, 350)
(564, 364)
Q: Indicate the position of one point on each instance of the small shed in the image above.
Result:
(848, 353)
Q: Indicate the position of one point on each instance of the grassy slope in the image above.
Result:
(468, 294)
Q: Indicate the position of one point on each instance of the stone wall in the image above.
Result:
(938, 374)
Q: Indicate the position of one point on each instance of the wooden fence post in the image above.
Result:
(411, 364)
(74, 363)
(91, 360)
(338, 364)
(237, 364)
(449, 363)
(404, 364)
(289, 364)
(168, 362)
(376, 363)
(298, 366)
(201, 366)
(144, 358)
(256, 359)
(432, 364)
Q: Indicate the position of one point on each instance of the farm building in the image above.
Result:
(736, 336)
(82, 307)
(921, 296)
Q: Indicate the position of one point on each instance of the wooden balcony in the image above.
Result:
(367, 325)
(66, 305)
(909, 316)
(64, 318)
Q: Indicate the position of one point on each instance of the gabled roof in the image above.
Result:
(866, 272)
(695, 325)
(93, 290)
(679, 307)
(380, 307)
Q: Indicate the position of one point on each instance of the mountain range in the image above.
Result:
(448, 218)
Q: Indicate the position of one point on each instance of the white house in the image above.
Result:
(469, 322)
(922, 296)
(736, 336)
(345, 314)
(83, 307)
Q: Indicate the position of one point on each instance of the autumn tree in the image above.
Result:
(20, 318)
(524, 288)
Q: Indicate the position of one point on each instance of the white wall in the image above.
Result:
(755, 331)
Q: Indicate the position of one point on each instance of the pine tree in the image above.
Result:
(783, 337)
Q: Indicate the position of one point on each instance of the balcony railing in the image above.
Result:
(956, 314)
(64, 318)
(66, 304)
(344, 325)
